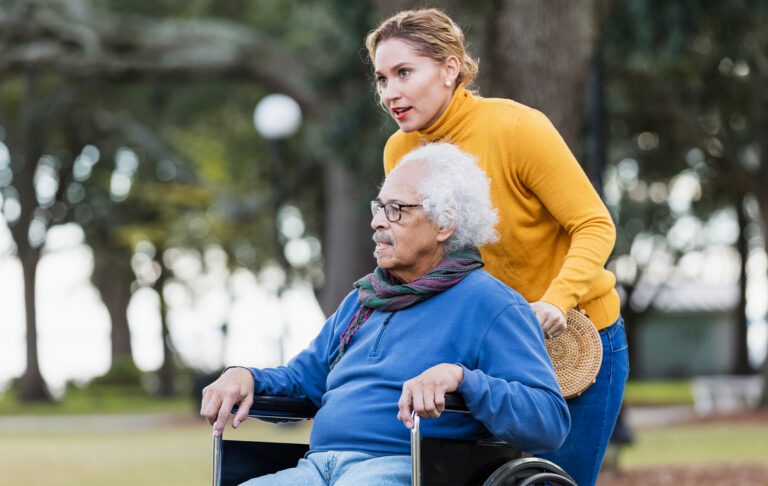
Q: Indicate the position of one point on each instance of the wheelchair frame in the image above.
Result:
(289, 409)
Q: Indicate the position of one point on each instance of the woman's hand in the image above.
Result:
(550, 318)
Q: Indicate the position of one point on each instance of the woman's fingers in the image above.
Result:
(550, 318)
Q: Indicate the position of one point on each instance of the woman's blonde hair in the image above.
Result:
(431, 33)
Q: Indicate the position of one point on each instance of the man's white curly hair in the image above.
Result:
(455, 193)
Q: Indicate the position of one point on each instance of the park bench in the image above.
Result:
(726, 393)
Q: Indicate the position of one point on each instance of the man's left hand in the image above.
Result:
(425, 394)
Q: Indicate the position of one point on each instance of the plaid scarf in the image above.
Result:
(380, 290)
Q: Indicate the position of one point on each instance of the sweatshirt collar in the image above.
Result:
(458, 110)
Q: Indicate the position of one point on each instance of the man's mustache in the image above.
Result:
(381, 237)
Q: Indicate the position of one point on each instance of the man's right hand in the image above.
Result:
(234, 387)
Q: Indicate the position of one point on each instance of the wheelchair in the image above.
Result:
(435, 462)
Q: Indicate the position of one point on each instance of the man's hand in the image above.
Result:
(234, 387)
(550, 318)
(425, 394)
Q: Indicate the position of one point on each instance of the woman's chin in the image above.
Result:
(407, 126)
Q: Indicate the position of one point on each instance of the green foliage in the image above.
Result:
(684, 92)
(123, 374)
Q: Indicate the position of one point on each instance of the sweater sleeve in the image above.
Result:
(513, 390)
(305, 375)
(549, 170)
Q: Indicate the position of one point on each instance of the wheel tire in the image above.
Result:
(529, 471)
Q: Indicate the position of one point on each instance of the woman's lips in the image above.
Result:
(400, 113)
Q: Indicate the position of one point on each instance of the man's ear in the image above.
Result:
(445, 232)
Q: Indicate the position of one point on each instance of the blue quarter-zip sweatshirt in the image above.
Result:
(481, 324)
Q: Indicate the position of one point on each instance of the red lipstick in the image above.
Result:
(400, 113)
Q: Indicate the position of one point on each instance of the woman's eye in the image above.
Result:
(404, 73)
(381, 80)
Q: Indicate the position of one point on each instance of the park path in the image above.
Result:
(636, 417)
(90, 423)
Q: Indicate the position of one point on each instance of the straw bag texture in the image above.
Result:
(576, 354)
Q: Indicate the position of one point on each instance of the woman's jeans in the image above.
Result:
(341, 468)
(594, 412)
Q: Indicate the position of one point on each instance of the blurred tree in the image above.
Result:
(22, 22)
(313, 53)
(687, 107)
(30, 188)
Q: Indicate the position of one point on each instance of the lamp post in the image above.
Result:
(277, 117)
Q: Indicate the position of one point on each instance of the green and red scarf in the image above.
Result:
(380, 290)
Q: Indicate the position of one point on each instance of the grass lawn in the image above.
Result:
(96, 400)
(706, 443)
(168, 455)
(660, 392)
(179, 453)
(65, 444)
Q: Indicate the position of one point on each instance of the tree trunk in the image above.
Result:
(741, 352)
(347, 246)
(541, 57)
(595, 166)
(31, 386)
(167, 372)
(115, 288)
(117, 295)
(632, 319)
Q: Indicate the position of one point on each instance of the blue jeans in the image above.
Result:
(594, 412)
(341, 468)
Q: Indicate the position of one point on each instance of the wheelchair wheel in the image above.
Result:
(529, 471)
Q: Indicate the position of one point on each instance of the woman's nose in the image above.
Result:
(389, 92)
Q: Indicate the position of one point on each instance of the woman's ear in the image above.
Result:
(451, 68)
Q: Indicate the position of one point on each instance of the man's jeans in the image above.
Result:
(342, 468)
(594, 412)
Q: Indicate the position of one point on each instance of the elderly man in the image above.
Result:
(426, 322)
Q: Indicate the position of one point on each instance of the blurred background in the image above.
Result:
(184, 186)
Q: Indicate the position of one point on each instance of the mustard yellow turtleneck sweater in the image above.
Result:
(556, 233)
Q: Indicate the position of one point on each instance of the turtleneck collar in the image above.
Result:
(458, 110)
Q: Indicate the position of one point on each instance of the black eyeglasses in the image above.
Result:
(391, 210)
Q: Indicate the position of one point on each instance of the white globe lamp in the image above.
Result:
(277, 116)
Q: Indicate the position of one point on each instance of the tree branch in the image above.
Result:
(54, 37)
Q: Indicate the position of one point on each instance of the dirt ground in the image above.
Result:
(715, 475)
(696, 475)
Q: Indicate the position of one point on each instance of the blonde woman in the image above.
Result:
(556, 233)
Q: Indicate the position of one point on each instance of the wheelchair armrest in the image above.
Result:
(274, 406)
(455, 403)
(279, 407)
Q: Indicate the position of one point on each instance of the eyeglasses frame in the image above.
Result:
(377, 206)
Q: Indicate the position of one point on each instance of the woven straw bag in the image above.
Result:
(576, 354)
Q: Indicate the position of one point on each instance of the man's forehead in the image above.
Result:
(402, 183)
